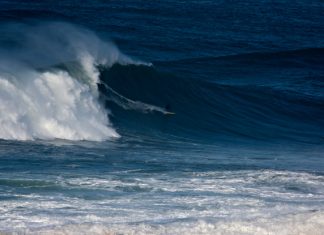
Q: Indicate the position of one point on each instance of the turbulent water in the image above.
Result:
(189, 117)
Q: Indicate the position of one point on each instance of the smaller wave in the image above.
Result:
(313, 55)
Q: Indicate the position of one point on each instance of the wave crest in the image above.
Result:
(41, 100)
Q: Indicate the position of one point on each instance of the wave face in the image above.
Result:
(42, 101)
(258, 102)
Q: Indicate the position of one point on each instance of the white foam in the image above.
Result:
(311, 223)
(235, 202)
(51, 105)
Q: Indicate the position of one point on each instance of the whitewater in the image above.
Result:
(39, 102)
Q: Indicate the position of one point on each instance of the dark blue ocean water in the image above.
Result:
(161, 117)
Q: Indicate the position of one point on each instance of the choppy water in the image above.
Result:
(132, 117)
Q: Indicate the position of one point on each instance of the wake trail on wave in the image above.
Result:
(129, 104)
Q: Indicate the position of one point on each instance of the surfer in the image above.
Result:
(167, 109)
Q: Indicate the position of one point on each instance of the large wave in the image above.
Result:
(59, 80)
(41, 100)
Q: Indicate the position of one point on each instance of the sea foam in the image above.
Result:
(308, 223)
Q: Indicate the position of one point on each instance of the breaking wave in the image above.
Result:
(41, 100)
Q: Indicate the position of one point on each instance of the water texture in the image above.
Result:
(161, 117)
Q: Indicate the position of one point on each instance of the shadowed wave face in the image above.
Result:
(250, 104)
